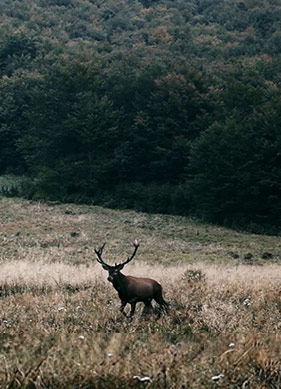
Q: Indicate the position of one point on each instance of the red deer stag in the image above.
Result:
(132, 290)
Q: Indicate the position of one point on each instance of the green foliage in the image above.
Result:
(235, 170)
(72, 128)
(16, 51)
(14, 104)
(163, 106)
(152, 198)
(12, 186)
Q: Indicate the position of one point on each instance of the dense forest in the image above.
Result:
(170, 106)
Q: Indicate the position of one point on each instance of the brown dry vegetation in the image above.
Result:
(59, 321)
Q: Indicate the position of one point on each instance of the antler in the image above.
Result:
(99, 254)
(101, 261)
(136, 245)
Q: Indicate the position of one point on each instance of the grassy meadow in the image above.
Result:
(60, 325)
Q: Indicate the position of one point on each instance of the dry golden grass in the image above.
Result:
(60, 324)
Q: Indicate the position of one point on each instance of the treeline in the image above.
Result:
(161, 106)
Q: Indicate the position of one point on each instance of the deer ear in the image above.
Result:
(120, 267)
(105, 267)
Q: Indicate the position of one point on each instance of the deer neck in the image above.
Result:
(120, 282)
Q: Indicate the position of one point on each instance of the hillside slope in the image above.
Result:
(60, 324)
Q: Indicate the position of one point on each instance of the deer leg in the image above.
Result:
(166, 306)
(163, 304)
(147, 307)
(133, 308)
(123, 305)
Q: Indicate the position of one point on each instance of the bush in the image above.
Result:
(156, 198)
(12, 186)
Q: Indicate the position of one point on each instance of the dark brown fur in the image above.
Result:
(132, 290)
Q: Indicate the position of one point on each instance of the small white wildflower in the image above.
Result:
(216, 378)
(142, 379)
(61, 309)
(231, 345)
(81, 337)
(109, 355)
(247, 302)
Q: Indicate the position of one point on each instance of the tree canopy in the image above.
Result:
(159, 105)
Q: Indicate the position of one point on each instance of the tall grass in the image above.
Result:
(60, 324)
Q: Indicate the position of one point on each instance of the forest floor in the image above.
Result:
(60, 325)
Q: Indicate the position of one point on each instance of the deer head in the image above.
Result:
(114, 271)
